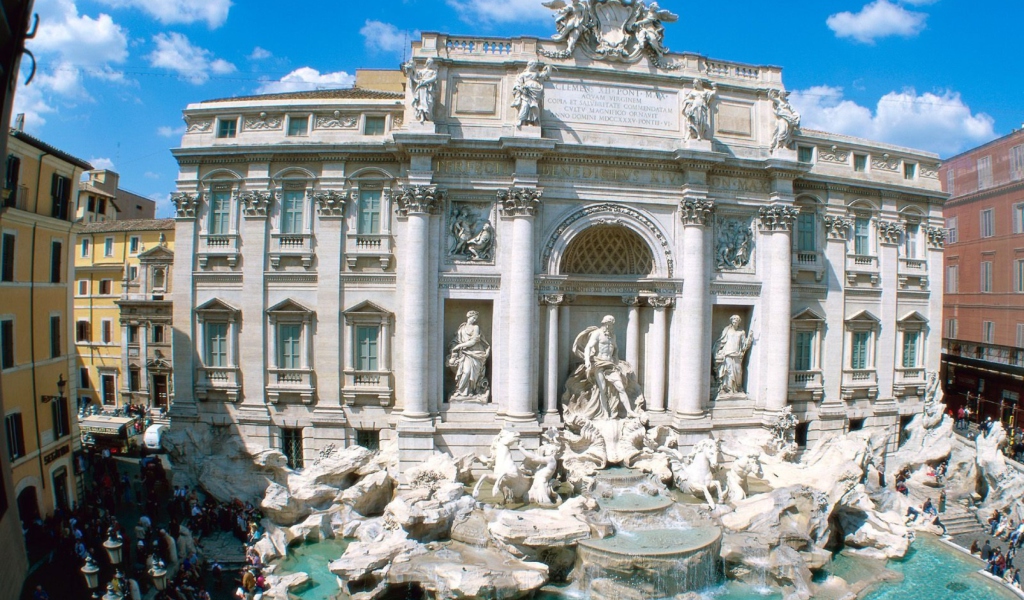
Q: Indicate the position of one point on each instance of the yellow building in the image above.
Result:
(36, 357)
(122, 312)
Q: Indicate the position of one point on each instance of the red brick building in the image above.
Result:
(983, 310)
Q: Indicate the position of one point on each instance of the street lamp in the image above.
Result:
(113, 546)
(91, 572)
(112, 593)
(159, 575)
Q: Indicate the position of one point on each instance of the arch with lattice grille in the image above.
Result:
(646, 246)
(608, 250)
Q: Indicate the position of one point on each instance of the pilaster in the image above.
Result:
(330, 208)
(182, 402)
(776, 225)
(253, 336)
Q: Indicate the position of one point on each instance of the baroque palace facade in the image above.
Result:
(418, 257)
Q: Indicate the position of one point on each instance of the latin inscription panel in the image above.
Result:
(609, 105)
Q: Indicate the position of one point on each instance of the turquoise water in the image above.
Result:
(312, 558)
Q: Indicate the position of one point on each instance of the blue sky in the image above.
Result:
(114, 75)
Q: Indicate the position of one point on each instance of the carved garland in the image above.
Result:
(696, 211)
(610, 208)
(186, 204)
(420, 200)
(837, 227)
(777, 217)
(519, 202)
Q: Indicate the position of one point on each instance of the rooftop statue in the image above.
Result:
(424, 86)
(614, 30)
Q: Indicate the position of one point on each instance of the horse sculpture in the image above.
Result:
(510, 483)
(696, 472)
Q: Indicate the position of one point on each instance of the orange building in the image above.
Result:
(983, 310)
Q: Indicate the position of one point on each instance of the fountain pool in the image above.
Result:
(312, 559)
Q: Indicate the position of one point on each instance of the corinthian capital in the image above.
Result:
(519, 202)
(256, 204)
(185, 204)
(329, 203)
(777, 217)
(696, 211)
(420, 200)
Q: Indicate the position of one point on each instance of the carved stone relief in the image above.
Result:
(198, 125)
(263, 121)
(329, 203)
(256, 204)
(777, 217)
(336, 120)
(611, 30)
(890, 232)
(471, 236)
(185, 204)
(833, 154)
(734, 244)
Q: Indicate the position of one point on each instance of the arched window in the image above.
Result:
(608, 250)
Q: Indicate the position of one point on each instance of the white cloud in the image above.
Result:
(385, 37)
(175, 52)
(307, 78)
(213, 12)
(79, 38)
(940, 122)
(170, 132)
(101, 163)
(33, 103)
(500, 11)
(878, 19)
(151, 175)
(260, 54)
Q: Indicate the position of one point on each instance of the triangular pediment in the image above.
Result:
(912, 317)
(288, 306)
(808, 315)
(367, 307)
(863, 316)
(157, 254)
(216, 305)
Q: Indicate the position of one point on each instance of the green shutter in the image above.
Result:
(366, 343)
(289, 346)
(805, 233)
(804, 346)
(216, 344)
(369, 212)
(220, 213)
(291, 212)
(859, 360)
(910, 349)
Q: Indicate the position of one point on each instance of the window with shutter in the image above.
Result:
(291, 211)
(369, 211)
(289, 345)
(56, 261)
(366, 342)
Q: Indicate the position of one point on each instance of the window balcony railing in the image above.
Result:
(805, 379)
(910, 374)
(225, 380)
(298, 245)
(363, 386)
(861, 262)
(218, 245)
(291, 381)
(368, 245)
(860, 377)
(809, 261)
(913, 266)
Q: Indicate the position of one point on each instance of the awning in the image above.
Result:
(104, 425)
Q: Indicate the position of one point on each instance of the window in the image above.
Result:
(800, 434)
(158, 334)
(910, 348)
(1018, 218)
(861, 237)
(802, 351)
(220, 212)
(368, 438)
(216, 344)
(109, 391)
(133, 273)
(373, 126)
(986, 276)
(367, 339)
(289, 346)
(291, 447)
(952, 231)
(158, 279)
(951, 180)
(106, 331)
(984, 172)
(61, 417)
(298, 125)
(987, 226)
(106, 287)
(15, 436)
(369, 211)
(108, 247)
(56, 260)
(860, 162)
(988, 332)
(83, 332)
(911, 240)
(85, 247)
(1017, 162)
(84, 380)
(951, 327)
(133, 334)
(103, 206)
(805, 230)
(909, 170)
(55, 349)
(133, 244)
(227, 128)
(859, 357)
(60, 193)
(291, 211)
(856, 424)
(1020, 335)
(1018, 276)
(7, 272)
(134, 379)
(805, 154)
(6, 344)
(11, 181)
(83, 287)
(952, 279)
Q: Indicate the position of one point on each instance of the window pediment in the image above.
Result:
(808, 315)
(366, 313)
(288, 307)
(216, 306)
(157, 254)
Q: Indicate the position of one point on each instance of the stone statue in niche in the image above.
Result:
(424, 87)
(697, 110)
(467, 358)
(730, 350)
(472, 239)
(528, 92)
(603, 387)
(787, 120)
(734, 245)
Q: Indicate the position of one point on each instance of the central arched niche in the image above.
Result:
(612, 250)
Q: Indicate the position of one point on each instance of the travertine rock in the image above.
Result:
(870, 532)
(460, 571)
(1001, 486)
(279, 586)
(546, 534)
(367, 563)
(370, 495)
(923, 446)
(428, 515)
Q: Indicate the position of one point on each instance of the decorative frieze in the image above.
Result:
(420, 200)
(470, 282)
(777, 217)
(329, 203)
(742, 290)
(889, 232)
(930, 171)
(661, 302)
(186, 204)
(263, 122)
(936, 236)
(837, 228)
(256, 203)
(336, 120)
(734, 244)
(833, 154)
(885, 163)
(696, 211)
(198, 125)
(519, 201)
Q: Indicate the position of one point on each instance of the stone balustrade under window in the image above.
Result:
(368, 387)
(369, 245)
(300, 382)
(297, 245)
(218, 379)
(218, 245)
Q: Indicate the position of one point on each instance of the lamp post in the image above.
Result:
(112, 594)
(35, 411)
(159, 574)
(113, 547)
(91, 573)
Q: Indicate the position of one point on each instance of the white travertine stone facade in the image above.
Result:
(323, 262)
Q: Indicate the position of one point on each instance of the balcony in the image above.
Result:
(299, 382)
(862, 266)
(859, 383)
(912, 271)
(909, 381)
(368, 387)
(808, 261)
(807, 381)
(291, 245)
(218, 245)
(368, 245)
(16, 197)
(212, 381)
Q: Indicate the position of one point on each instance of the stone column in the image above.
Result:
(695, 211)
(551, 373)
(330, 211)
(184, 331)
(417, 203)
(520, 205)
(633, 331)
(776, 223)
(656, 360)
